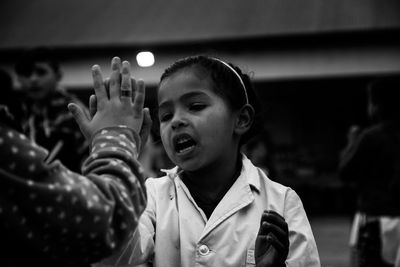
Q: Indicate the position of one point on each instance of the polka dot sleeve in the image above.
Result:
(64, 215)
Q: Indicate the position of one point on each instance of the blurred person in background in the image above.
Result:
(51, 216)
(45, 118)
(371, 162)
(9, 96)
(259, 150)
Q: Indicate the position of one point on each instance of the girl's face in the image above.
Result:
(196, 125)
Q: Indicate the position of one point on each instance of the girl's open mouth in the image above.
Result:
(183, 143)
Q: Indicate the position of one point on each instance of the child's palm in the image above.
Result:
(118, 108)
(272, 242)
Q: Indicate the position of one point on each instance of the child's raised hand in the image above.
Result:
(119, 108)
(272, 242)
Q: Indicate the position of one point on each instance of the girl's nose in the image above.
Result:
(178, 122)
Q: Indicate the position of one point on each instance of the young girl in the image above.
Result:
(207, 210)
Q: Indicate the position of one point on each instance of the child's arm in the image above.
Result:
(303, 248)
(63, 216)
(272, 242)
(353, 156)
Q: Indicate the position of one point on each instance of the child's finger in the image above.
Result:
(115, 78)
(262, 245)
(280, 248)
(146, 126)
(138, 103)
(274, 213)
(92, 106)
(107, 86)
(126, 87)
(98, 85)
(261, 230)
(134, 89)
(80, 117)
(276, 219)
(275, 230)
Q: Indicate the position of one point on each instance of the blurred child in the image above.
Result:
(371, 163)
(215, 208)
(259, 150)
(44, 116)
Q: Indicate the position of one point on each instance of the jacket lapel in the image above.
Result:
(238, 196)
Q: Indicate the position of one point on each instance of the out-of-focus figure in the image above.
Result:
(45, 118)
(371, 162)
(259, 150)
(9, 96)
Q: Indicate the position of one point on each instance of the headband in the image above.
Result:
(237, 75)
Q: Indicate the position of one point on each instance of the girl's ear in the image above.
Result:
(244, 119)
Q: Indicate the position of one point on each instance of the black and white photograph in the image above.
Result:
(223, 133)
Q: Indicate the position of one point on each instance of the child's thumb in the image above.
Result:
(146, 126)
(79, 115)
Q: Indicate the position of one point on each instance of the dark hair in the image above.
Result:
(226, 84)
(10, 110)
(30, 57)
(6, 82)
(383, 93)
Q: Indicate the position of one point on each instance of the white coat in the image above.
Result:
(175, 232)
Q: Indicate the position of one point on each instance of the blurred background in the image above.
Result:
(310, 61)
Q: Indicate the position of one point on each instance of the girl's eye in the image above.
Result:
(197, 106)
(165, 117)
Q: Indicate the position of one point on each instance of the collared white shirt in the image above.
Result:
(174, 231)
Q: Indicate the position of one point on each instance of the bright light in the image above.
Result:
(145, 59)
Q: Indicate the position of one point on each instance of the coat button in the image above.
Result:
(203, 250)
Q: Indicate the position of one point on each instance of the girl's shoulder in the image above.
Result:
(266, 187)
(161, 185)
(271, 186)
(280, 198)
(158, 182)
(258, 178)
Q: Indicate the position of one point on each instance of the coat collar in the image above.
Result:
(249, 173)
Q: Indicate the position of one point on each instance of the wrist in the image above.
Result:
(118, 130)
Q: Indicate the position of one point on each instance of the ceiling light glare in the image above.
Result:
(145, 59)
